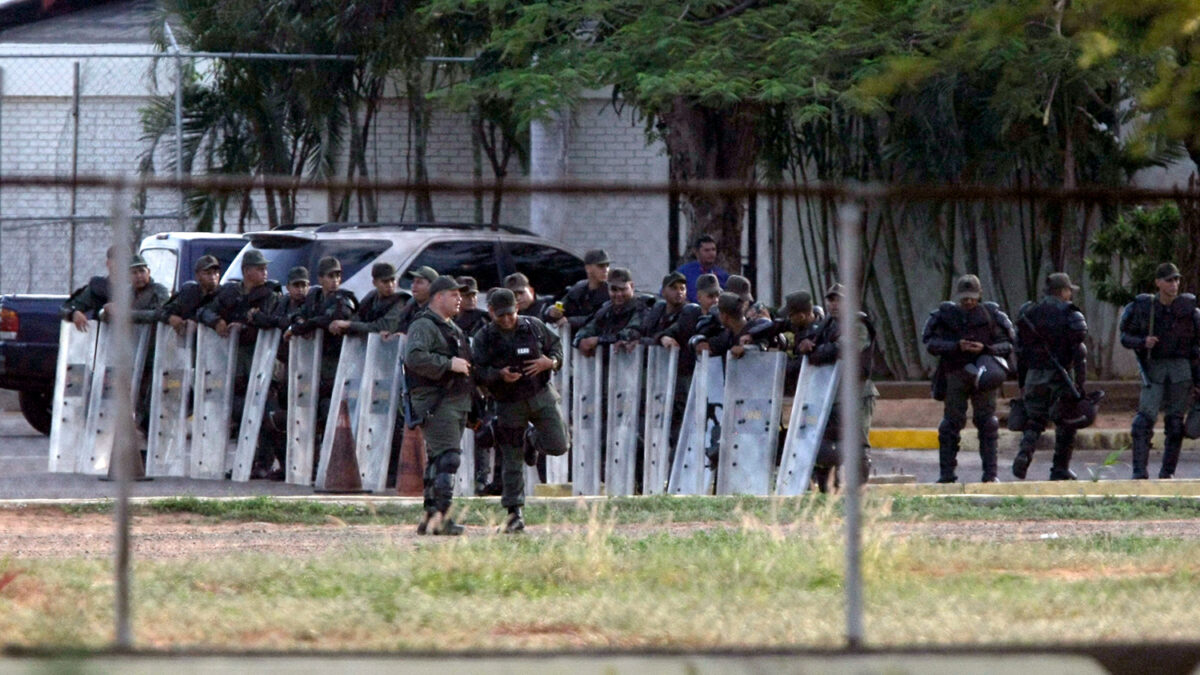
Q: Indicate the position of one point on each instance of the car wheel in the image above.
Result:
(37, 407)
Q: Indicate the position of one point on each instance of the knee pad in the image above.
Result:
(1143, 425)
(448, 462)
(948, 429)
(989, 427)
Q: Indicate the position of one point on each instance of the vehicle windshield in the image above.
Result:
(284, 253)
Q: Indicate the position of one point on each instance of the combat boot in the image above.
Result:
(1024, 456)
(441, 524)
(1142, 428)
(988, 440)
(1064, 446)
(1173, 429)
(516, 522)
(947, 453)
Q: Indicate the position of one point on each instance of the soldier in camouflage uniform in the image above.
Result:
(958, 333)
(193, 295)
(1163, 330)
(471, 317)
(1049, 331)
(514, 356)
(437, 367)
(379, 311)
(585, 297)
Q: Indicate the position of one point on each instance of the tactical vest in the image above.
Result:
(978, 325)
(378, 307)
(453, 383)
(525, 345)
(1174, 325)
(1052, 323)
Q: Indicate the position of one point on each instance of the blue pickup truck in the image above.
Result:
(29, 324)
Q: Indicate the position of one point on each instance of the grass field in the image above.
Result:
(650, 572)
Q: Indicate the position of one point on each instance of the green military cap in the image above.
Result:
(596, 256)
(516, 282)
(835, 291)
(800, 301)
(297, 273)
(708, 284)
(1059, 281)
(619, 276)
(968, 286)
(673, 278)
(740, 285)
(383, 270)
(1167, 271)
(137, 261)
(328, 265)
(424, 272)
(470, 285)
(444, 283)
(253, 258)
(205, 263)
(502, 301)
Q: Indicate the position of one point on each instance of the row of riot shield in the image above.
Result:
(621, 417)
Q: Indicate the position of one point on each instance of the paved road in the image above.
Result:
(23, 475)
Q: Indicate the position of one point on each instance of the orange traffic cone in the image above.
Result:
(342, 476)
(410, 474)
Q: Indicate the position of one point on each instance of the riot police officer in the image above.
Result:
(192, 295)
(1163, 330)
(437, 368)
(823, 348)
(1050, 349)
(961, 333)
(514, 356)
(379, 311)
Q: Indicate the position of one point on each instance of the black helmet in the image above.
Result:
(987, 373)
(1081, 414)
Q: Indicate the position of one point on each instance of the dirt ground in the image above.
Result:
(909, 413)
(49, 533)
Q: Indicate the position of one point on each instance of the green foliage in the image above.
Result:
(1127, 251)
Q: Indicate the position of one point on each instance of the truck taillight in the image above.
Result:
(10, 323)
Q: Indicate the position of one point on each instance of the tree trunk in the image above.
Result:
(419, 119)
(907, 322)
(708, 144)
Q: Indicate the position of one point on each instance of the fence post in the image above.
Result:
(74, 174)
(122, 459)
(178, 125)
(850, 397)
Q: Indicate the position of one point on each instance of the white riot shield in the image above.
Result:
(585, 420)
(72, 384)
(142, 334)
(258, 387)
(304, 375)
(170, 392)
(101, 411)
(216, 362)
(661, 369)
(624, 412)
(558, 468)
(690, 473)
(750, 423)
(379, 401)
(816, 391)
(464, 480)
(347, 385)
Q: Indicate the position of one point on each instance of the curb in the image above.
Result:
(1086, 439)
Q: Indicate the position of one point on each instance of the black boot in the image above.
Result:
(1064, 445)
(1025, 455)
(988, 440)
(947, 453)
(515, 523)
(1173, 429)
(1142, 428)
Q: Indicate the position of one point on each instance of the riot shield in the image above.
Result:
(216, 363)
(258, 388)
(72, 384)
(142, 334)
(101, 411)
(585, 420)
(558, 468)
(464, 480)
(690, 472)
(170, 391)
(750, 423)
(379, 400)
(816, 390)
(661, 368)
(347, 384)
(624, 411)
(304, 388)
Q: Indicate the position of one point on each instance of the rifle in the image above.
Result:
(1143, 356)
(1057, 366)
